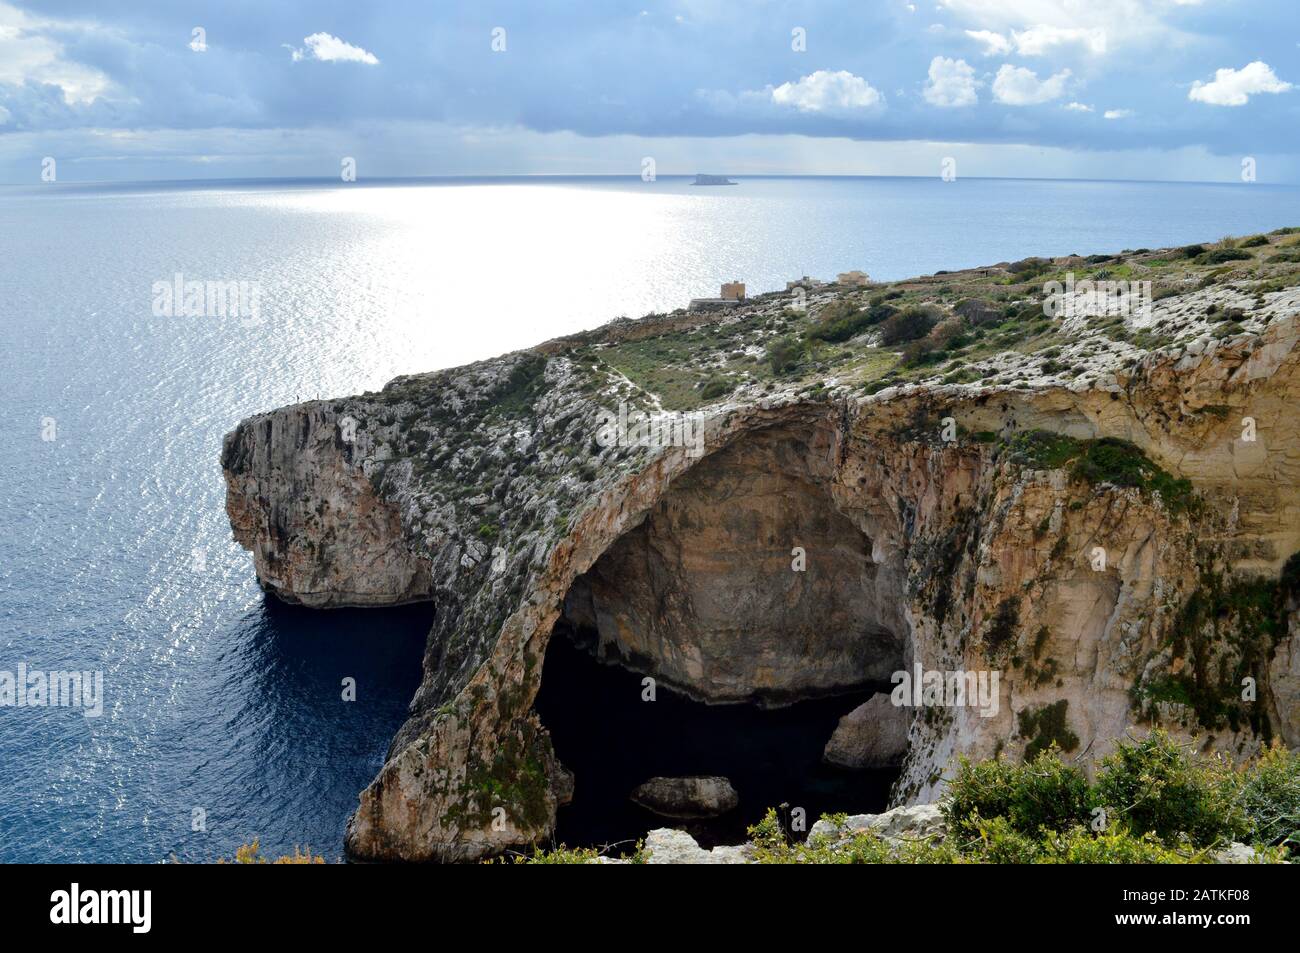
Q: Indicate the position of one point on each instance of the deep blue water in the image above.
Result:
(217, 699)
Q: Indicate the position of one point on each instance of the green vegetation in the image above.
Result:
(1042, 793)
(908, 325)
(569, 855)
(523, 385)
(1220, 255)
(1153, 802)
(1047, 727)
(1226, 633)
(841, 320)
(784, 354)
(1108, 460)
(251, 854)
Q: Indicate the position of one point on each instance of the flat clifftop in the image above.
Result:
(950, 454)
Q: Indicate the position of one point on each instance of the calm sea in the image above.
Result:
(222, 716)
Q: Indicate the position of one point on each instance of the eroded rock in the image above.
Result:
(686, 798)
(484, 489)
(666, 846)
(873, 735)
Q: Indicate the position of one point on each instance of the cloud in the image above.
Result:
(1017, 86)
(330, 49)
(1078, 107)
(995, 44)
(952, 83)
(824, 91)
(1040, 40)
(1234, 87)
(1118, 114)
(28, 54)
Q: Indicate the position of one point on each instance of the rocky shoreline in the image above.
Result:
(1090, 506)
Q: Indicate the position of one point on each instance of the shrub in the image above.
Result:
(785, 353)
(715, 387)
(250, 854)
(880, 312)
(977, 312)
(1028, 268)
(1154, 786)
(1269, 797)
(1111, 460)
(920, 353)
(1254, 241)
(1220, 255)
(908, 325)
(839, 321)
(1116, 846)
(1042, 793)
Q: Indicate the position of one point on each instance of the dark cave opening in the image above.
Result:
(613, 740)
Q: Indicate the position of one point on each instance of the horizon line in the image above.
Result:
(453, 177)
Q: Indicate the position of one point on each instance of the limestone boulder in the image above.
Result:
(687, 798)
(873, 735)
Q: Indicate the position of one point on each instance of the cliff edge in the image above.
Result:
(996, 470)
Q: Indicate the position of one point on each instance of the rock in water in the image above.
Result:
(873, 735)
(687, 798)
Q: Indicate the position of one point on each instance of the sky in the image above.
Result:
(168, 89)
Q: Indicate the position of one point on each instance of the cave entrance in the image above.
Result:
(762, 612)
(614, 741)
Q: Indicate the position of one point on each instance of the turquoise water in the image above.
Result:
(115, 554)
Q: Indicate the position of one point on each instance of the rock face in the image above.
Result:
(702, 594)
(915, 822)
(873, 735)
(665, 846)
(687, 798)
(324, 538)
(826, 529)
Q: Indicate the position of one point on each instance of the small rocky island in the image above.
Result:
(993, 470)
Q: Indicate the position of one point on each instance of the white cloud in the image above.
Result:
(1017, 86)
(952, 83)
(27, 54)
(1078, 107)
(995, 44)
(824, 91)
(1123, 23)
(1042, 39)
(330, 49)
(1234, 87)
(1118, 114)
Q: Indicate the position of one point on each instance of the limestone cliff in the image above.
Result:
(1099, 510)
